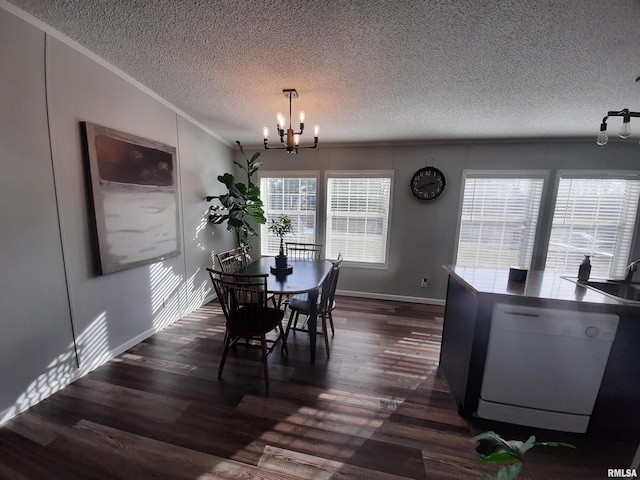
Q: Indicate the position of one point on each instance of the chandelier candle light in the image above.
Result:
(625, 131)
(292, 142)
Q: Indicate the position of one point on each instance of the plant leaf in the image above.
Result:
(488, 443)
(227, 179)
(242, 188)
(519, 448)
(507, 472)
(498, 458)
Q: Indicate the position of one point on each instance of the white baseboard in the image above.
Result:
(396, 298)
(209, 298)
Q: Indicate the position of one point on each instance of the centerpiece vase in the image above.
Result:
(281, 267)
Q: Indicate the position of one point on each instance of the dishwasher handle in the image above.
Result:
(521, 314)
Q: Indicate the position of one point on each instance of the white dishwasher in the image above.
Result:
(544, 366)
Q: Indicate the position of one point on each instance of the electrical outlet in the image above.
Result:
(423, 282)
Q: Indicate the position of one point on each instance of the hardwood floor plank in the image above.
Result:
(37, 429)
(118, 454)
(302, 466)
(22, 458)
(126, 399)
(390, 459)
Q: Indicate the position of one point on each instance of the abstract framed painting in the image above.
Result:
(134, 196)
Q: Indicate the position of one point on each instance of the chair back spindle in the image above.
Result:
(233, 260)
(304, 251)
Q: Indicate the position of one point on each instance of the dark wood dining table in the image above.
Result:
(307, 277)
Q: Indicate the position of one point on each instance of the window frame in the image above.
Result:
(390, 174)
(506, 174)
(590, 174)
(313, 174)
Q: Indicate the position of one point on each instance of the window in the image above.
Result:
(498, 219)
(593, 216)
(358, 206)
(293, 195)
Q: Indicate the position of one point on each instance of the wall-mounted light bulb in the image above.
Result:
(316, 130)
(625, 131)
(602, 139)
(301, 117)
(602, 136)
(265, 133)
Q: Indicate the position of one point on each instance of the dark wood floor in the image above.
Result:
(378, 409)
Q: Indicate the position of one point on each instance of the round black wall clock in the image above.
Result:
(428, 183)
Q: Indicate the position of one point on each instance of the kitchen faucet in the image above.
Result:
(631, 268)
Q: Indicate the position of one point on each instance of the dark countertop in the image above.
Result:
(542, 288)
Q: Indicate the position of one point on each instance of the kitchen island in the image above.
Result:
(472, 295)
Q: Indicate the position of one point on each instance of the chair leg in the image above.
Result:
(227, 342)
(325, 334)
(286, 334)
(265, 364)
(283, 339)
(333, 332)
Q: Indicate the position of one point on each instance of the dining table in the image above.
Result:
(307, 276)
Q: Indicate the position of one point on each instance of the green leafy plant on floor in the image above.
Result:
(280, 228)
(494, 449)
(241, 206)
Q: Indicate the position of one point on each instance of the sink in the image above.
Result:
(618, 289)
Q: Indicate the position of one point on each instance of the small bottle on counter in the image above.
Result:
(585, 269)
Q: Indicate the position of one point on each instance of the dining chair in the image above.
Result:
(304, 251)
(300, 304)
(233, 260)
(243, 299)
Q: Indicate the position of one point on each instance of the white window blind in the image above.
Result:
(358, 217)
(498, 221)
(294, 197)
(593, 216)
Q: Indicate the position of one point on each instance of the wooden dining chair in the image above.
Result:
(304, 251)
(300, 304)
(233, 260)
(243, 299)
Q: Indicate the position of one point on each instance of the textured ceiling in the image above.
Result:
(373, 70)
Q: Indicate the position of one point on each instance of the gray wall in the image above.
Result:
(423, 234)
(49, 288)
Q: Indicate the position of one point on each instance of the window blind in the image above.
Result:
(295, 198)
(498, 221)
(358, 218)
(593, 216)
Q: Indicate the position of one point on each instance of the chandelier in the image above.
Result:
(292, 141)
(625, 131)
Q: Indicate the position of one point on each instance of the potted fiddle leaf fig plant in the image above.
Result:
(241, 206)
(281, 227)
